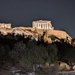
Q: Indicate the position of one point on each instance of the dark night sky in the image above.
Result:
(22, 12)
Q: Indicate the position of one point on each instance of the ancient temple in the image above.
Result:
(5, 25)
(42, 24)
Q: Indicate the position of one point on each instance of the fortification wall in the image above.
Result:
(58, 33)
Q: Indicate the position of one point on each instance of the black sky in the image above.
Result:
(22, 12)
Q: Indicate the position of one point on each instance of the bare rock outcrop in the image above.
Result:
(50, 35)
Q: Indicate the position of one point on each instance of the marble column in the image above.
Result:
(40, 26)
(47, 26)
(37, 26)
(44, 26)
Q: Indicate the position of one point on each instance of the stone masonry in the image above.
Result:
(5, 25)
(42, 24)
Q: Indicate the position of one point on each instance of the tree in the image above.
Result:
(52, 51)
(6, 53)
(66, 53)
(34, 54)
(73, 41)
(2, 51)
(18, 50)
(31, 53)
(71, 57)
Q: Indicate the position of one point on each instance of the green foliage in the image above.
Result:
(35, 30)
(38, 71)
(31, 53)
(31, 44)
(18, 50)
(4, 56)
(52, 51)
(70, 57)
(66, 53)
(2, 51)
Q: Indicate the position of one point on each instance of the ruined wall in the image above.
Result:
(59, 34)
(5, 25)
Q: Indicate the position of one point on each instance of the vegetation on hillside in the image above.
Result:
(29, 52)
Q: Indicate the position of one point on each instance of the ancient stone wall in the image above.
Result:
(54, 33)
(59, 34)
(5, 25)
(49, 33)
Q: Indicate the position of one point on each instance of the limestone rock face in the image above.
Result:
(18, 31)
(57, 35)
(64, 66)
(25, 31)
(49, 36)
(3, 31)
(54, 35)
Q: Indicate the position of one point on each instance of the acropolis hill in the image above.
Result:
(38, 28)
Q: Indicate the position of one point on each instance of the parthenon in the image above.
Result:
(42, 24)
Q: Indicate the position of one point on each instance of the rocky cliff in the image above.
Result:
(48, 35)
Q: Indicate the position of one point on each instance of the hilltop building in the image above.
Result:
(5, 25)
(50, 35)
(42, 24)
